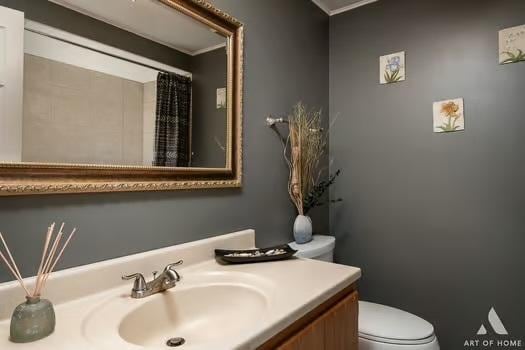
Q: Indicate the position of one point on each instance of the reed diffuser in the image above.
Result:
(35, 318)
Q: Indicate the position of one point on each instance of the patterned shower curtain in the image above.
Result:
(172, 125)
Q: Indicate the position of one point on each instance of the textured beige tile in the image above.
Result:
(106, 86)
(37, 72)
(73, 115)
(150, 92)
(70, 107)
(43, 143)
(35, 139)
(149, 117)
(97, 146)
(132, 123)
(37, 105)
(108, 148)
(132, 147)
(148, 148)
(149, 111)
(107, 113)
(68, 76)
(107, 100)
(133, 104)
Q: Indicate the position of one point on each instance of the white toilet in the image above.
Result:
(380, 327)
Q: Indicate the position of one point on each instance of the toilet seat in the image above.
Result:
(386, 325)
(398, 341)
(366, 344)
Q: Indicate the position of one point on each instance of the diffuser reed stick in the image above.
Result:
(48, 262)
(58, 257)
(49, 259)
(46, 246)
(19, 278)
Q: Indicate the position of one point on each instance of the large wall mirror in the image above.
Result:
(141, 95)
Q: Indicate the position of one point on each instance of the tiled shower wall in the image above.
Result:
(150, 105)
(76, 115)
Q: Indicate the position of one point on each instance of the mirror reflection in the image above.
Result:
(114, 101)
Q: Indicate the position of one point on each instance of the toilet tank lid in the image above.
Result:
(318, 246)
(386, 322)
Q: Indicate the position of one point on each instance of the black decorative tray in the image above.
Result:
(280, 252)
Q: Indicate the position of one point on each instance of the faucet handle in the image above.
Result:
(140, 282)
(169, 269)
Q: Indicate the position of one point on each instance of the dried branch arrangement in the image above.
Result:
(314, 198)
(307, 143)
(304, 148)
(48, 262)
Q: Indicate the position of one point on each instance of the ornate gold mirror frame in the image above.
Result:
(42, 178)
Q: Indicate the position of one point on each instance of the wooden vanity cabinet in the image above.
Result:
(331, 326)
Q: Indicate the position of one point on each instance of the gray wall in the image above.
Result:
(435, 221)
(286, 60)
(208, 123)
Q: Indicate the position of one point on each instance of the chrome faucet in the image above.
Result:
(166, 280)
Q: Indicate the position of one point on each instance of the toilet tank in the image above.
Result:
(319, 248)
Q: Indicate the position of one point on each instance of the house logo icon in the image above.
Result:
(495, 323)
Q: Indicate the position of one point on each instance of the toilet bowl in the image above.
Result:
(380, 327)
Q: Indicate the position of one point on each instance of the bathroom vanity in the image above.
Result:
(293, 304)
(332, 325)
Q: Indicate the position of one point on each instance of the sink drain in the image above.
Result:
(173, 342)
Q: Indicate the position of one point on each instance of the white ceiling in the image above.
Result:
(333, 7)
(152, 20)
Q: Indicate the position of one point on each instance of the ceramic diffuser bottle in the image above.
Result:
(35, 318)
(32, 320)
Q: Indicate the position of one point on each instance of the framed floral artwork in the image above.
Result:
(392, 68)
(221, 98)
(512, 45)
(449, 115)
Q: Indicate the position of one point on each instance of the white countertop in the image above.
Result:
(292, 288)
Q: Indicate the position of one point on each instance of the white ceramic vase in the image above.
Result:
(302, 229)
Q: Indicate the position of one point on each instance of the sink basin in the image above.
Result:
(199, 315)
(205, 309)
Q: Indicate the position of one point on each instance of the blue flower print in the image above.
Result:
(394, 64)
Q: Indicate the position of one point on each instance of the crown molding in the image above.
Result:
(351, 7)
(208, 49)
(322, 6)
(325, 8)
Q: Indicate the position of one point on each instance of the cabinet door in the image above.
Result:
(336, 329)
(341, 325)
(310, 338)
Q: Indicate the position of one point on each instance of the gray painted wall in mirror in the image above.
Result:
(208, 122)
(434, 220)
(286, 60)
